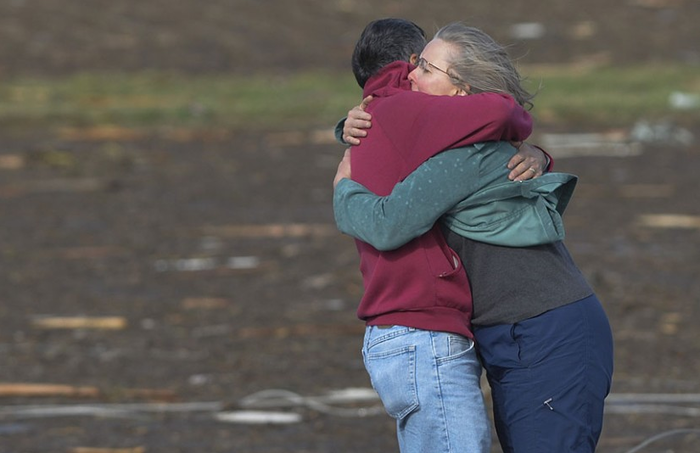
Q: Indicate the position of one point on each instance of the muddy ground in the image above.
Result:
(214, 260)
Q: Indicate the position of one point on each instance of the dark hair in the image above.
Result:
(382, 42)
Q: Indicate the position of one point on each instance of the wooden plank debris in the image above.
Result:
(23, 389)
(34, 390)
(100, 133)
(108, 450)
(670, 221)
(11, 162)
(80, 322)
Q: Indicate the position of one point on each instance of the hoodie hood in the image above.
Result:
(391, 79)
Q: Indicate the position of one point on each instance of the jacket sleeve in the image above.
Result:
(338, 131)
(446, 122)
(413, 206)
(550, 159)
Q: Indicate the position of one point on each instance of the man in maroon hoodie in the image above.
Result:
(417, 303)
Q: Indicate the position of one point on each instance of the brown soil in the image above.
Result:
(219, 254)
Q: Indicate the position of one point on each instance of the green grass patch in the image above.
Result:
(612, 96)
(148, 100)
(568, 96)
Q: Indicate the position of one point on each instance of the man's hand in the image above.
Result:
(343, 168)
(529, 162)
(357, 121)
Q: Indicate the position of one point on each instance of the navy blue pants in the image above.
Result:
(549, 376)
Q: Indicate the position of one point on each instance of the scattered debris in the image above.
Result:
(243, 262)
(131, 410)
(186, 264)
(326, 404)
(23, 389)
(590, 144)
(258, 417)
(617, 143)
(199, 380)
(334, 305)
(100, 133)
(108, 450)
(684, 101)
(207, 264)
(11, 162)
(669, 324)
(527, 30)
(318, 282)
(34, 390)
(285, 398)
(80, 322)
(204, 303)
(669, 221)
(322, 137)
(662, 132)
(584, 30)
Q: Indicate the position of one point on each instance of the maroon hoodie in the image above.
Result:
(421, 284)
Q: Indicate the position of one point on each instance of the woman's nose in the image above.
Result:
(412, 76)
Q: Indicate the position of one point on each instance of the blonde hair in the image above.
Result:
(483, 64)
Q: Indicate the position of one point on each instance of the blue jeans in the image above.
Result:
(549, 377)
(430, 383)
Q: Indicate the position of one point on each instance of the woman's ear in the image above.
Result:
(414, 59)
(464, 91)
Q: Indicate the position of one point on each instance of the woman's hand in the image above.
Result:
(529, 162)
(343, 169)
(357, 121)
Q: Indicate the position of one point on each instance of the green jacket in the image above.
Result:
(469, 189)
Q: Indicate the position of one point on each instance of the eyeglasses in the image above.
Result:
(423, 64)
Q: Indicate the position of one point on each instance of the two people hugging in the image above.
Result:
(459, 230)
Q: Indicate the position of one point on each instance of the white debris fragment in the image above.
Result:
(206, 264)
(186, 264)
(684, 101)
(258, 417)
(243, 262)
(590, 144)
(527, 30)
(662, 132)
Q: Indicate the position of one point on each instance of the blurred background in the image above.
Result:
(171, 279)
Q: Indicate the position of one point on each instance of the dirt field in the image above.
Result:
(198, 271)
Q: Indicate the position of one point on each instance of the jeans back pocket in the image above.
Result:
(393, 375)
